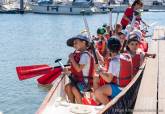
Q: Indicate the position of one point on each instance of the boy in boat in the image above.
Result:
(128, 14)
(82, 69)
(119, 73)
(137, 54)
(101, 41)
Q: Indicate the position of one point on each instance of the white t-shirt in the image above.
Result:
(114, 66)
(85, 60)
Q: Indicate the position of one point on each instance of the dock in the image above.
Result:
(151, 95)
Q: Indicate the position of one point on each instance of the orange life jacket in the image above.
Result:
(125, 75)
(125, 72)
(101, 46)
(107, 36)
(78, 76)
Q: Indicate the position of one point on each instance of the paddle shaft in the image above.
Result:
(110, 19)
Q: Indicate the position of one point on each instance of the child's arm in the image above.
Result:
(76, 65)
(100, 57)
(106, 76)
(95, 82)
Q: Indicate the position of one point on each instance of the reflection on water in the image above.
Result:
(45, 88)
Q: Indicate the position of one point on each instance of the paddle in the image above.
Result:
(117, 17)
(89, 35)
(52, 75)
(110, 21)
(26, 72)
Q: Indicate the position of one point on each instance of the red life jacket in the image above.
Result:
(143, 45)
(101, 46)
(129, 13)
(101, 80)
(136, 63)
(107, 36)
(78, 76)
(125, 75)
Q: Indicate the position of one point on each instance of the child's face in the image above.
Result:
(133, 46)
(122, 38)
(138, 6)
(78, 44)
(99, 36)
(119, 29)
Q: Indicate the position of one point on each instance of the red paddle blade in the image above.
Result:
(50, 77)
(26, 72)
(88, 101)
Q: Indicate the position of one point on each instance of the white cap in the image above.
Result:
(138, 33)
(129, 28)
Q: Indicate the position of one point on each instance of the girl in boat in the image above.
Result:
(82, 69)
(123, 39)
(137, 54)
(128, 14)
(143, 45)
(119, 73)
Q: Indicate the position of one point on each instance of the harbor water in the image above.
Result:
(39, 39)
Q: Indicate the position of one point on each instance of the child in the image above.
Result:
(136, 54)
(143, 45)
(101, 41)
(119, 73)
(128, 14)
(118, 29)
(82, 68)
(122, 38)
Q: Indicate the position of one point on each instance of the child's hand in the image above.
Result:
(66, 71)
(100, 70)
(153, 56)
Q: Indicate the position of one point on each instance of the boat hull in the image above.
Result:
(59, 9)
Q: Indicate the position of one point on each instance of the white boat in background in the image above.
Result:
(58, 7)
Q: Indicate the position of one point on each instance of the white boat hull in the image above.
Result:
(59, 9)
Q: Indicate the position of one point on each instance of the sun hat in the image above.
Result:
(81, 37)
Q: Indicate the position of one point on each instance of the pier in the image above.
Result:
(151, 95)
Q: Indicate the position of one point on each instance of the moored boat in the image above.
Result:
(62, 7)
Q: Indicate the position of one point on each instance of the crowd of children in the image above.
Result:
(120, 54)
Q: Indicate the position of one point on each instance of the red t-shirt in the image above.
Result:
(129, 13)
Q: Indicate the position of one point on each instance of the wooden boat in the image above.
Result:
(56, 102)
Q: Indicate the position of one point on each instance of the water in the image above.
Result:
(37, 39)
